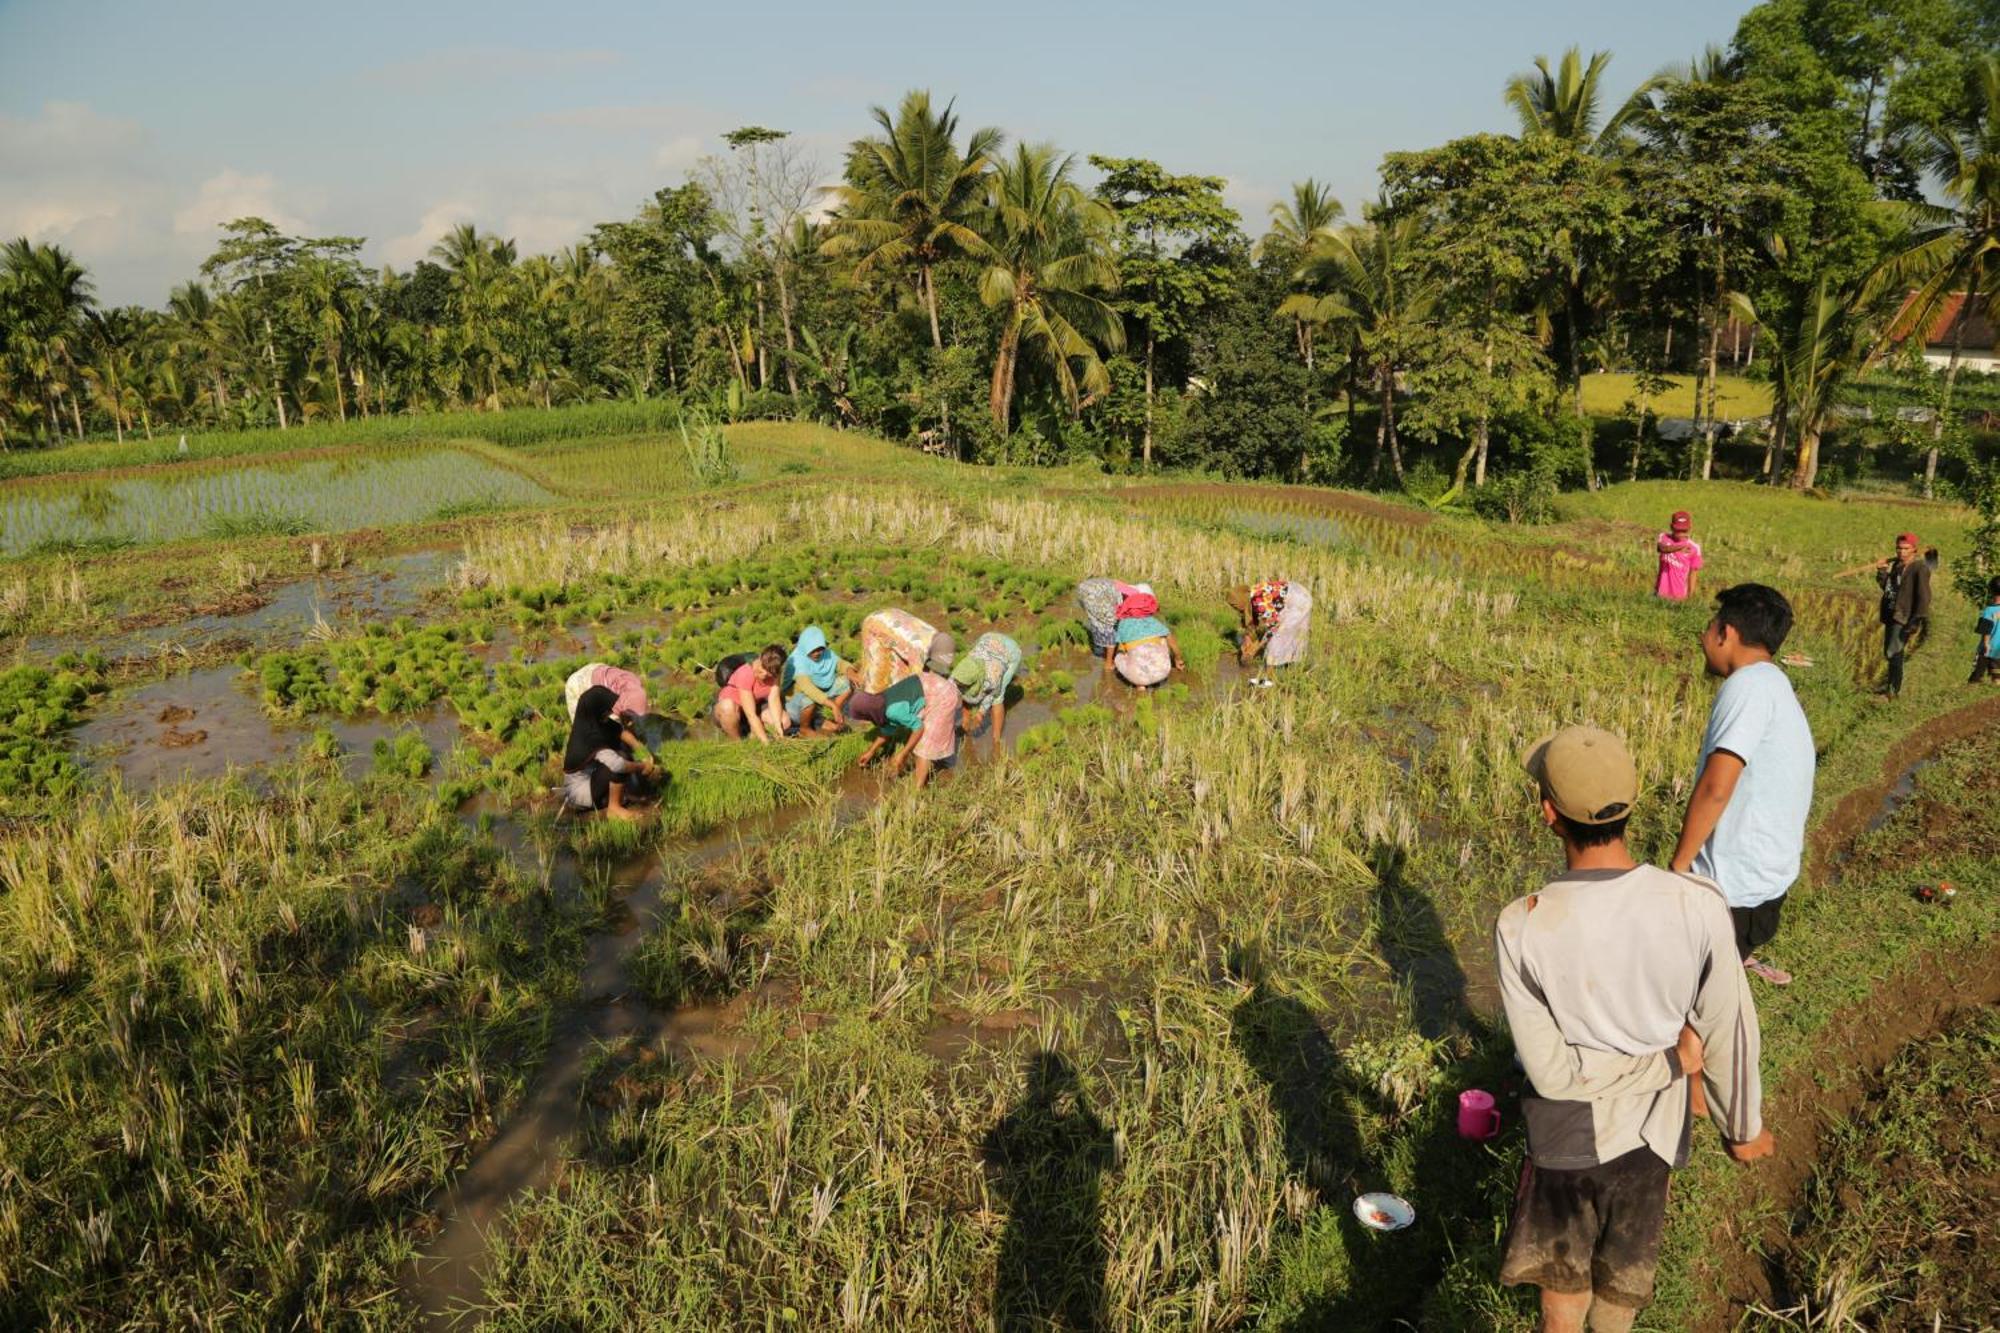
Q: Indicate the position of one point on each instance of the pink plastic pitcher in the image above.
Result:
(1478, 1117)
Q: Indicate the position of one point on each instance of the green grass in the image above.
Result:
(1606, 394)
(1897, 1225)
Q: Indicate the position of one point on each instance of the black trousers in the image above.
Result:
(1897, 641)
(1755, 926)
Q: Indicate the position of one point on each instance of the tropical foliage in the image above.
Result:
(993, 299)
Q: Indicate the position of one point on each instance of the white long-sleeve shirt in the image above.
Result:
(1598, 972)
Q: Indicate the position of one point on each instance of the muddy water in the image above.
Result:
(447, 1279)
(345, 599)
(208, 722)
(1897, 796)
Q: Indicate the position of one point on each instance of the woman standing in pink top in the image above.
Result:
(1680, 558)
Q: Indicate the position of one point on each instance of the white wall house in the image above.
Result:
(1976, 351)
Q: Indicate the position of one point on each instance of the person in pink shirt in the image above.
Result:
(1680, 558)
(753, 696)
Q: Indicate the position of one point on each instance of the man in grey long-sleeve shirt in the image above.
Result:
(1619, 980)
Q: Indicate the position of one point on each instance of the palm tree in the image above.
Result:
(1955, 247)
(1295, 224)
(53, 293)
(478, 266)
(1367, 285)
(911, 196)
(194, 340)
(1049, 248)
(1564, 102)
(1824, 340)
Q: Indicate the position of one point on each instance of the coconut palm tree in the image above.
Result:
(53, 296)
(1312, 209)
(1954, 247)
(911, 197)
(1359, 279)
(1564, 102)
(1049, 252)
(1823, 339)
(478, 266)
(1295, 224)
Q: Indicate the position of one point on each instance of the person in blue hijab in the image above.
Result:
(817, 685)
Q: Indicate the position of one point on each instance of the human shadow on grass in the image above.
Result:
(1419, 953)
(1390, 1279)
(1046, 1157)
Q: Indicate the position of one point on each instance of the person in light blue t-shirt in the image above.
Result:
(1745, 826)
(1986, 653)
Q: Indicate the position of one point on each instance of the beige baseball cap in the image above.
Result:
(1587, 774)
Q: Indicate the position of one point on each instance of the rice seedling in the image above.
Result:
(278, 499)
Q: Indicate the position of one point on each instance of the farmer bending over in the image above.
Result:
(1143, 650)
(1617, 985)
(598, 762)
(919, 714)
(983, 677)
(752, 696)
(896, 645)
(1276, 618)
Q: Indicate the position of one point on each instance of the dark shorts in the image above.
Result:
(1756, 926)
(1597, 1229)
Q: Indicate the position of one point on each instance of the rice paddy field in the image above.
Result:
(316, 1014)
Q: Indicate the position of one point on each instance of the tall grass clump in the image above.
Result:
(707, 447)
(243, 1040)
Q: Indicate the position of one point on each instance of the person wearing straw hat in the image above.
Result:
(1614, 997)
(1680, 558)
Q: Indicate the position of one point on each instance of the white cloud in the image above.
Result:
(405, 250)
(1252, 201)
(229, 195)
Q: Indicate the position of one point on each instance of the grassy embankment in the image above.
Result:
(1137, 1011)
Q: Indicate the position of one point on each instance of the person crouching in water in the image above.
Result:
(1276, 621)
(753, 697)
(919, 714)
(816, 684)
(598, 763)
(1145, 652)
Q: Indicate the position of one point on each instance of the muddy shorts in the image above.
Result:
(1596, 1229)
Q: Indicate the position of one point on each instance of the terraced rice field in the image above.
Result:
(317, 1011)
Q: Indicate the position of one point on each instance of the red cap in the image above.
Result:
(1909, 537)
(1681, 519)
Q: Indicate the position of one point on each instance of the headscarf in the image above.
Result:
(943, 649)
(629, 689)
(863, 707)
(1139, 601)
(804, 666)
(594, 729)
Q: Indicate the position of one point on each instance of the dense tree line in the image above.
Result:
(984, 298)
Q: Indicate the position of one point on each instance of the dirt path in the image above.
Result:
(1863, 808)
(1916, 1001)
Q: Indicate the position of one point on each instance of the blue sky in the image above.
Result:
(129, 128)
